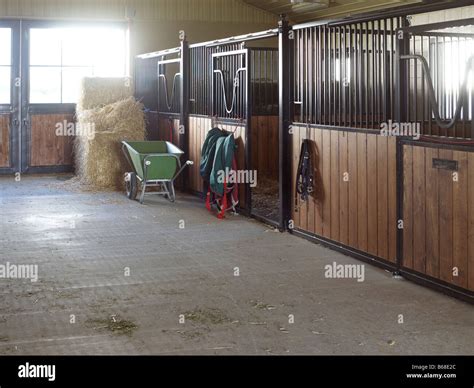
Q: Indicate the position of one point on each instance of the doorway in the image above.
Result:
(41, 67)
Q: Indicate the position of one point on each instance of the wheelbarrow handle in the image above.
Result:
(188, 163)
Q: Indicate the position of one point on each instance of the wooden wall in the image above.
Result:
(4, 141)
(151, 120)
(265, 147)
(47, 149)
(198, 128)
(438, 214)
(357, 209)
(167, 130)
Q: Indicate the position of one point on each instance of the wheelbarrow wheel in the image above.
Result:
(131, 185)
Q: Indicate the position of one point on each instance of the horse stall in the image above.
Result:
(385, 106)
(389, 109)
(231, 84)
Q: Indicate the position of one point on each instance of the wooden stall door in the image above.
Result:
(438, 213)
(4, 140)
(47, 149)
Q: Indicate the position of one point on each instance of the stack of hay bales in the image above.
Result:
(107, 106)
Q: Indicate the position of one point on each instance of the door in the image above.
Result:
(46, 103)
(231, 104)
(9, 97)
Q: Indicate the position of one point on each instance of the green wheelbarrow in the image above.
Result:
(155, 164)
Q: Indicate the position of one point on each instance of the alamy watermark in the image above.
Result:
(37, 371)
(392, 128)
(345, 271)
(19, 271)
(66, 128)
(240, 176)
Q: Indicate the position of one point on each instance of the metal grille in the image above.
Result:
(344, 74)
(169, 83)
(438, 92)
(200, 62)
(264, 81)
(264, 78)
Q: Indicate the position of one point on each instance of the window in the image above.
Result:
(61, 57)
(5, 65)
(456, 57)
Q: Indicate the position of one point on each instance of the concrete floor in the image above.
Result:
(82, 242)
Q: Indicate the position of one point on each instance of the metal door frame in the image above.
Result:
(246, 69)
(13, 109)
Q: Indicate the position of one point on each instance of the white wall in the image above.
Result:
(156, 22)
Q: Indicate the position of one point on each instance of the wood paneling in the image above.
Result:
(152, 124)
(239, 135)
(4, 141)
(264, 147)
(438, 215)
(358, 209)
(47, 149)
(198, 128)
(432, 215)
(168, 130)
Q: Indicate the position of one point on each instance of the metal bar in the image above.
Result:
(406, 10)
(373, 78)
(430, 127)
(438, 26)
(183, 131)
(360, 53)
(160, 53)
(240, 38)
(319, 76)
(415, 83)
(334, 49)
(366, 88)
(168, 61)
(285, 80)
(423, 99)
(341, 79)
(248, 126)
(229, 53)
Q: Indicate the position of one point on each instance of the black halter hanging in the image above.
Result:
(304, 176)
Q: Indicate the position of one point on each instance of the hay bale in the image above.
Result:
(99, 159)
(97, 92)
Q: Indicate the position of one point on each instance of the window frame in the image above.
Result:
(27, 25)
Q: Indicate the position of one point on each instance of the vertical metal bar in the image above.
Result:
(401, 82)
(360, 53)
(318, 73)
(309, 72)
(367, 70)
(372, 77)
(392, 68)
(342, 81)
(324, 76)
(436, 64)
(285, 87)
(357, 72)
(248, 125)
(351, 73)
(184, 107)
(329, 77)
(428, 103)
(383, 54)
(423, 96)
(334, 97)
(415, 82)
